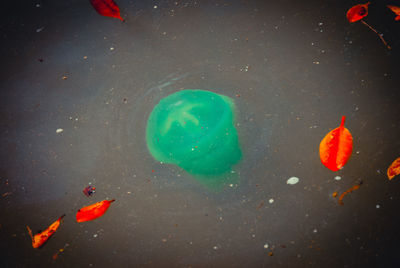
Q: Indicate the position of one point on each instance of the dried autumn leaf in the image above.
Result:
(357, 12)
(396, 11)
(93, 211)
(107, 8)
(394, 169)
(336, 147)
(41, 238)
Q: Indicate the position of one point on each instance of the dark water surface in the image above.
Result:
(293, 69)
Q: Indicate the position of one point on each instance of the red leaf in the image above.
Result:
(93, 211)
(106, 8)
(336, 147)
(38, 240)
(357, 12)
(396, 11)
(394, 169)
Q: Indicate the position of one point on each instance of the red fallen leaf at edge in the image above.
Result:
(41, 238)
(396, 11)
(357, 12)
(336, 147)
(394, 169)
(93, 211)
(106, 8)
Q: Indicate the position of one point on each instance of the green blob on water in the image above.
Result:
(195, 130)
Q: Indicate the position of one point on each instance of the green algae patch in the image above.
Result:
(194, 129)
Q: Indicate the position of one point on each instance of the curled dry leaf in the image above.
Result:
(41, 238)
(357, 12)
(394, 169)
(336, 147)
(396, 11)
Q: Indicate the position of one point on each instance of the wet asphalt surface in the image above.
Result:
(293, 69)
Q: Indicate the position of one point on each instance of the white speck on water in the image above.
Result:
(37, 5)
(292, 180)
(39, 29)
(315, 231)
(338, 178)
(95, 235)
(378, 206)
(320, 24)
(59, 130)
(215, 247)
(271, 201)
(266, 245)
(155, 7)
(112, 48)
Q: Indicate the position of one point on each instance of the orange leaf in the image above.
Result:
(394, 169)
(396, 11)
(40, 239)
(336, 147)
(93, 211)
(357, 12)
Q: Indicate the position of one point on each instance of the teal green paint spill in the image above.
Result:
(195, 130)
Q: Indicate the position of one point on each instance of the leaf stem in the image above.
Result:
(380, 35)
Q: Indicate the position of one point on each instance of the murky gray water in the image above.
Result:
(293, 69)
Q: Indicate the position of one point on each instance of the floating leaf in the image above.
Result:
(41, 238)
(396, 11)
(93, 211)
(107, 8)
(336, 147)
(357, 12)
(394, 169)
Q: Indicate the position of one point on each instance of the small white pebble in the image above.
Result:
(292, 180)
(59, 130)
(266, 245)
(338, 178)
(271, 201)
